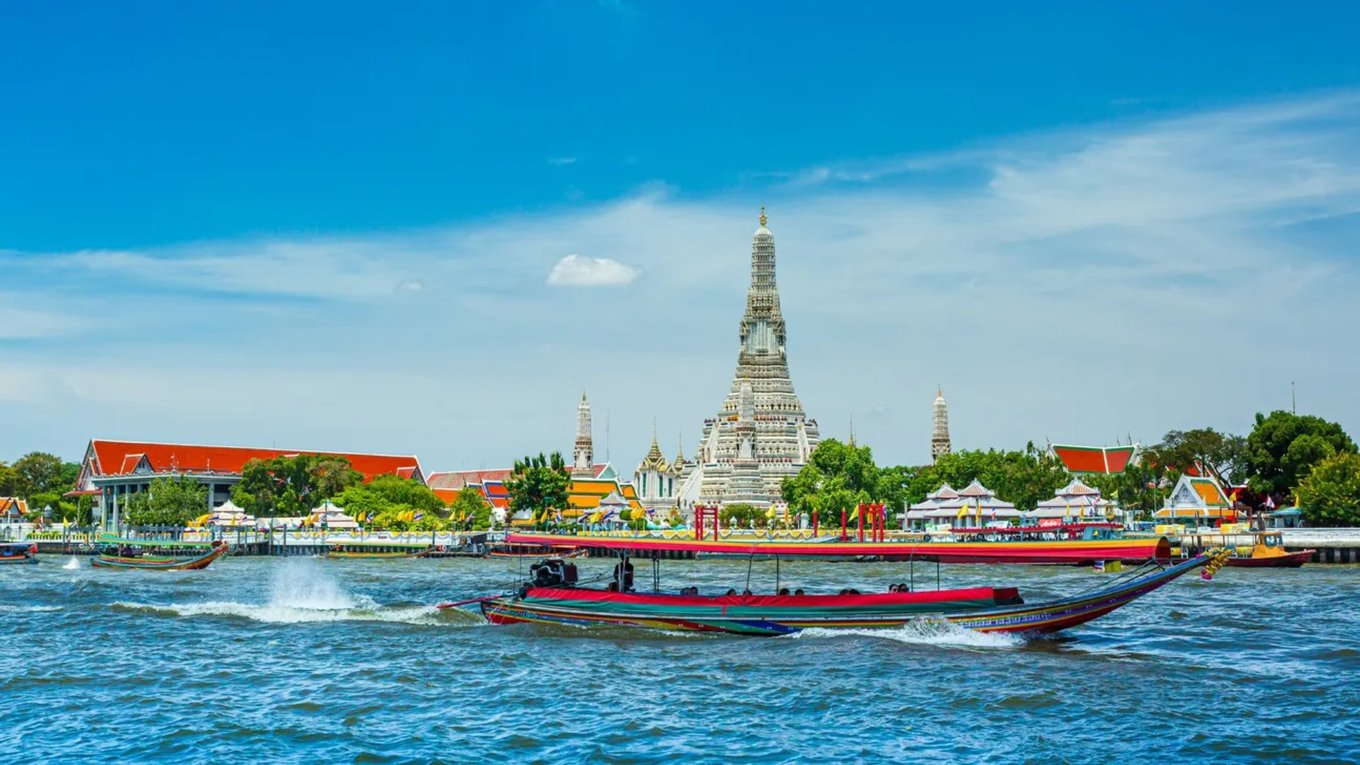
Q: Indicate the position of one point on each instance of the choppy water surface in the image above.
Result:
(309, 660)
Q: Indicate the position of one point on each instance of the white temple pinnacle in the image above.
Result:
(761, 435)
(939, 433)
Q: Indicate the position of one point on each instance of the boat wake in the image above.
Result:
(924, 632)
(72, 564)
(301, 592)
(6, 608)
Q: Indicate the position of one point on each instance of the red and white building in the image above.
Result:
(112, 471)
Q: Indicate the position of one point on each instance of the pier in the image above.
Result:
(1331, 545)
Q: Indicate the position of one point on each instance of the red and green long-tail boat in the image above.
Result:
(982, 609)
(129, 554)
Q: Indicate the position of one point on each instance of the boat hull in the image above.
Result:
(351, 554)
(1287, 560)
(783, 615)
(161, 563)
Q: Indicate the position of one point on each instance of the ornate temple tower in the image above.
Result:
(762, 435)
(654, 481)
(939, 433)
(583, 455)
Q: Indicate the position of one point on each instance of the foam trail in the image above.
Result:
(72, 564)
(300, 592)
(924, 632)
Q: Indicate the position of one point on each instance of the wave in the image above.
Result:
(5, 608)
(271, 613)
(301, 592)
(923, 632)
(72, 564)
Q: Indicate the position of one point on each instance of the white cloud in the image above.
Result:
(561, 161)
(577, 271)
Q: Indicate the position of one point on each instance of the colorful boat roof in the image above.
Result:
(1126, 549)
(1095, 459)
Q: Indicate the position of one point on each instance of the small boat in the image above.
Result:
(379, 550)
(1246, 549)
(551, 597)
(129, 554)
(517, 550)
(18, 552)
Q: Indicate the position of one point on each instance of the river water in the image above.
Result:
(314, 660)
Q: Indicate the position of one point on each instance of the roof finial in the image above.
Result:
(762, 215)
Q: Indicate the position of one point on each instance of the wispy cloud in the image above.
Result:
(561, 161)
(1082, 285)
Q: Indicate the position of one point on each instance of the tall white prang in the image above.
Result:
(761, 436)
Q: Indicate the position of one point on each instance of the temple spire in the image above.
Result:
(939, 432)
(762, 216)
(583, 455)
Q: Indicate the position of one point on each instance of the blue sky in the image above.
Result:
(335, 226)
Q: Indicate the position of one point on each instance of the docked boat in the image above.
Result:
(145, 554)
(522, 550)
(1246, 549)
(18, 552)
(379, 550)
(553, 597)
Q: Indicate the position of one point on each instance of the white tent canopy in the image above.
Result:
(332, 517)
(228, 514)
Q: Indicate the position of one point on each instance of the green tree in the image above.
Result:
(1283, 447)
(393, 502)
(538, 485)
(168, 502)
(1024, 478)
(741, 515)
(9, 481)
(1330, 494)
(1223, 453)
(38, 473)
(292, 486)
(470, 510)
(837, 478)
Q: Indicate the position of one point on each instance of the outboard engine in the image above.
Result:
(553, 572)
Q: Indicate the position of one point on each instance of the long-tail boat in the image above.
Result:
(131, 554)
(519, 550)
(552, 597)
(1259, 549)
(1082, 552)
(380, 550)
(18, 552)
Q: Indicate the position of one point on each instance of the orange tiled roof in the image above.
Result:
(111, 458)
(1094, 459)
